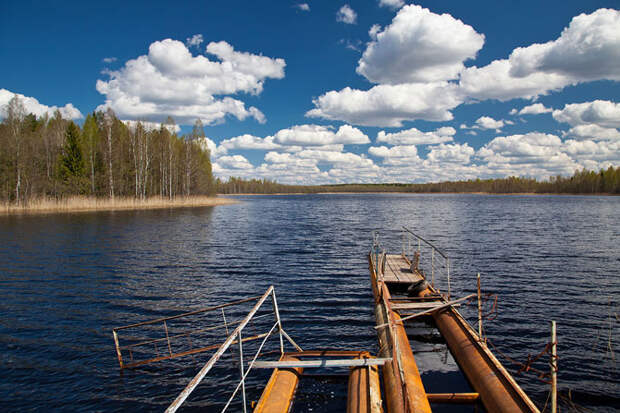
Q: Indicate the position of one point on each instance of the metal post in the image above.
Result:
(433, 267)
(118, 350)
(554, 368)
(241, 368)
(167, 338)
(448, 267)
(277, 313)
(225, 324)
(479, 310)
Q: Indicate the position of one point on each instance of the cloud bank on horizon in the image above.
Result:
(420, 68)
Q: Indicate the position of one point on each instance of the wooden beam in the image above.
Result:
(290, 364)
(453, 398)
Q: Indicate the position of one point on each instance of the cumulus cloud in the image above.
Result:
(393, 4)
(389, 105)
(346, 15)
(534, 109)
(593, 131)
(588, 49)
(247, 141)
(495, 82)
(450, 153)
(487, 122)
(303, 6)
(400, 151)
(149, 126)
(419, 46)
(194, 41)
(32, 105)
(414, 136)
(169, 80)
(234, 162)
(109, 60)
(317, 135)
(603, 113)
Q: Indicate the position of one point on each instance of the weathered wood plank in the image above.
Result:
(286, 364)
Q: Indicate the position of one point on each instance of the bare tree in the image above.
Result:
(16, 112)
(109, 122)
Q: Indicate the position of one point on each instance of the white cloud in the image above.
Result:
(451, 153)
(373, 31)
(32, 105)
(194, 41)
(486, 122)
(249, 142)
(414, 136)
(401, 151)
(234, 162)
(317, 135)
(495, 82)
(593, 131)
(109, 59)
(149, 126)
(600, 112)
(346, 15)
(393, 4)
(534, 109)
(419, 46)
(389, 105)
(303, 6)
(588, 49)
(171, 81)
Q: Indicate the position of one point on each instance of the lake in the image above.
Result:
(67, 280)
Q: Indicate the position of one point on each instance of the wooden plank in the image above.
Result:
(414, 306)
(290, 364)
(397, 270)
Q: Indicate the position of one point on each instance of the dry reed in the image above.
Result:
(82, 203)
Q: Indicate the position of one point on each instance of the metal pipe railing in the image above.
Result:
(439, 261)
(235, 336)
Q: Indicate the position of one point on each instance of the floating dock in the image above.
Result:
(402, 292)
(407, 287)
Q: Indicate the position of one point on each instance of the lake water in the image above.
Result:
(67, 280)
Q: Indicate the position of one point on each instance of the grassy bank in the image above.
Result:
(83, 204)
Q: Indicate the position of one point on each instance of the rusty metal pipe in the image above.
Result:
(496, 391)
(406, 395)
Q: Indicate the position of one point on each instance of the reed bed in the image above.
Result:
(82, 204)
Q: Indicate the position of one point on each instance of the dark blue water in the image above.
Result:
(67, 280)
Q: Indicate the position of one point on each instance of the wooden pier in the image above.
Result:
(402, 292)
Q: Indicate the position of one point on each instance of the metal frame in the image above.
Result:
(439, 262)
(235, 336)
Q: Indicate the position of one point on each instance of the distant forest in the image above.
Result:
(606, 181)
(53, 157)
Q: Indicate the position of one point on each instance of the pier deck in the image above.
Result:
(397, 270)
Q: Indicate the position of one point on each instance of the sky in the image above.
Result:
(320, 92)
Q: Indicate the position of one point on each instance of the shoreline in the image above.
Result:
(91, 204)
(419, 193)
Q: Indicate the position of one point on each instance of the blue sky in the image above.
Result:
(330, 92)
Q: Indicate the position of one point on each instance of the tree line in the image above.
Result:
(605, 181)
(53, 157)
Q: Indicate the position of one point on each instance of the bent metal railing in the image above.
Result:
(235, 337)
(414, 247)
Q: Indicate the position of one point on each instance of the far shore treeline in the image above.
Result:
(606, 181)
(52, 157)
